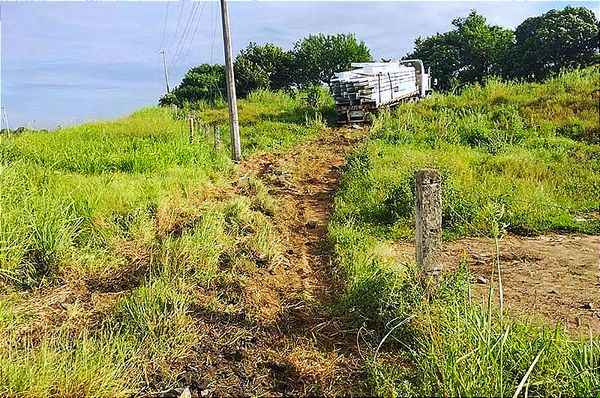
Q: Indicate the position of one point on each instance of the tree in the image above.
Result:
(557, 39)
(483, 48)
(440, 53)
(470, 53)
(201, 83)
(263, 66)
(318, 57)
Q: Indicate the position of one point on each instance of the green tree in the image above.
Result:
(263, 66)
(440, 53)
(557, 39)
(470, 53)
(201, 83)
(318, 57)
(482, 49)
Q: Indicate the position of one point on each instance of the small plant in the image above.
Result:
(314, 96)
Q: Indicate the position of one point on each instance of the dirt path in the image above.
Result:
(267, 331)
(551, 277)
(296, 347)
(316, 353)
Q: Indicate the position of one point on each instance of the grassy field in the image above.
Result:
(515, 158)
(120, 241)
(113, 233)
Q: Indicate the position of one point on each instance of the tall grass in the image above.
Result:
(458, 347)
(84, 189)
(529, 149)
(129, 210)
(64, 366)
(512, 152)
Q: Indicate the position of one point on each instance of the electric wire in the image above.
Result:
(178, 24)
(184, 35)
(183, 38)
(193, 37)
(162, 40)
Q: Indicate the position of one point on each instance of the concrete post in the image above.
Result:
(428, 216)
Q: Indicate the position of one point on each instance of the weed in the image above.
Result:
(510, 163)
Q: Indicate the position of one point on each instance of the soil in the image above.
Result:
(313, 352)
(549, 278)
(296, 346)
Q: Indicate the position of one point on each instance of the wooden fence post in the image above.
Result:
(428, 217)
(217, 136)
(192, 129)
(197, 124)
(207, 132)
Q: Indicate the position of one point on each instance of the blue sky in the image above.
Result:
(66, 63)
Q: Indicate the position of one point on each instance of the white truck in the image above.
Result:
(370, 86)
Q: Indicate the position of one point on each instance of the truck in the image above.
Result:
(371, 86)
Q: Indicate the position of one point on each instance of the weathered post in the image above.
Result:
(428, 216)
(197, 124)
(217, 136)
(207, 132)
(191, 119)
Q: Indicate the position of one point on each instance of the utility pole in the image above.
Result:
(234, 126)
(163, 52)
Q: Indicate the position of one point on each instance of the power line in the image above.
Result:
(186, 52)
(162, 40)
(184, 35)
(178, 23)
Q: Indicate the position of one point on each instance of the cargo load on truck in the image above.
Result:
(373, 85)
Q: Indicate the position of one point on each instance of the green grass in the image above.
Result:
(130, 210)
(515, 153)
(269, 120)
(66, 367)
(522, 157)
(131, 214)
(457, 347)
(85, 188)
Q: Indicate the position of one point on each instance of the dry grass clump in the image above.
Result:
(312, 365)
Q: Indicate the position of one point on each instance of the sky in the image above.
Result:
(65, 63)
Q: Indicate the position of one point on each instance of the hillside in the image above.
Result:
(135, 263)
(121, 240)
(516, 159)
